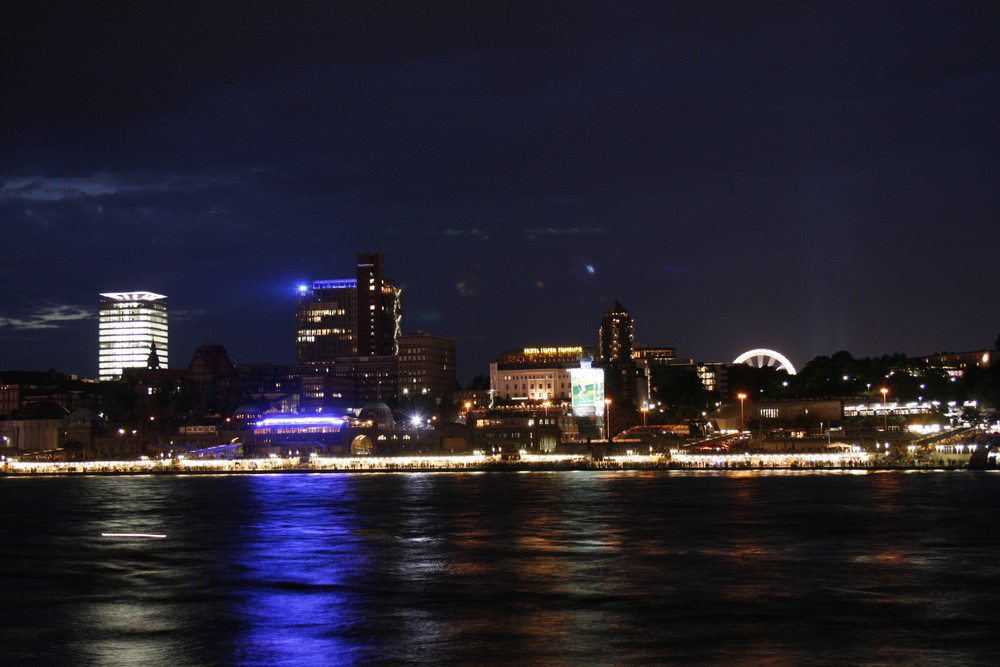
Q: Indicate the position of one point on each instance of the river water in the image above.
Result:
(544, 568)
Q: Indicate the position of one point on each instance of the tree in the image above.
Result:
(687, 396)
(479, 383)
(766, 381)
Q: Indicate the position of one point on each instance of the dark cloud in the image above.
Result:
(48, 316)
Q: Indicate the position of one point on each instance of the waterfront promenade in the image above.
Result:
(840, 461)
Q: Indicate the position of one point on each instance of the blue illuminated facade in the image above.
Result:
(357, 317)
(297, 434)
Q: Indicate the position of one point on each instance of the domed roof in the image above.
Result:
(378, 412)
(42, 410)
(247, 410)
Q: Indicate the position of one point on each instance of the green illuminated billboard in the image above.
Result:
(588, 390)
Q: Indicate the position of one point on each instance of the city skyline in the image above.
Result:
(159, 348)
(806, 179)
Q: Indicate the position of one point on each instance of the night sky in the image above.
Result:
(809, 177)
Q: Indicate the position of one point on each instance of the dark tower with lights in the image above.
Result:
(377, 329)
(615, 356)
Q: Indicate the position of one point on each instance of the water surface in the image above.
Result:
(584, 567)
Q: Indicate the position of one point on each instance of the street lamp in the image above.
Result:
(645, 411)
(742, 397)
(885, 412)
(607, 418)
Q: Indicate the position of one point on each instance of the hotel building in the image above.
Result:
(133, 332)
(537, 373)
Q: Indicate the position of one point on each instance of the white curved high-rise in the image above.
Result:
(133, 332)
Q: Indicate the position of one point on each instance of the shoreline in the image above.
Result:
(500, 467)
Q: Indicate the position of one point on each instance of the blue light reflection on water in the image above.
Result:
(298, 553)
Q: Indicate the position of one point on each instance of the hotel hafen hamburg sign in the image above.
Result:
(549, 351)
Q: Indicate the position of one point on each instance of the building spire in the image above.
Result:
(153, 361)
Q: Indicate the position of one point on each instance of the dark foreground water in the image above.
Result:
(560, 568)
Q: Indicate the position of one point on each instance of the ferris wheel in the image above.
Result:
(760, 358)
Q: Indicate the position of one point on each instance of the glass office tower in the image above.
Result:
(133, 332)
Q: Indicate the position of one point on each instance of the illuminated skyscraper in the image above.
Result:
(325, 320)
(349, 318)
(133, 332)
